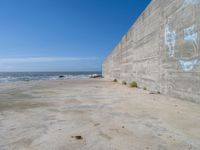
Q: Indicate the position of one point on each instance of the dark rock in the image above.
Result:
(95, 76)
(61, 76)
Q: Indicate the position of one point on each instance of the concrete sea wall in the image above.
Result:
(161, 51)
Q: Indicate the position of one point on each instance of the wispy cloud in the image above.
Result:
(44, 59)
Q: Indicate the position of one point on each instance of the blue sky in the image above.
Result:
(62, 35)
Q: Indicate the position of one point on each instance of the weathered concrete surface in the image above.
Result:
(47, 115)
(161, 51)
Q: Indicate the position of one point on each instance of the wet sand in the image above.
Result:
(94, 115)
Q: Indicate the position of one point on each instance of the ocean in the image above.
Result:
(30, 76)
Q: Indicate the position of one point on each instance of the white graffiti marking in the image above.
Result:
(170, 41)
(190, 35)
(190, 2)
(188, 55)
(188, 65)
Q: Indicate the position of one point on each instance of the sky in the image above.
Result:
(62, 35)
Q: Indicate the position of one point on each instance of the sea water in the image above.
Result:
(30, 76)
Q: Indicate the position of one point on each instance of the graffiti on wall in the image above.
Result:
(170, 41)
(182, 37)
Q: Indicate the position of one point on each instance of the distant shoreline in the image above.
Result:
(6, 77)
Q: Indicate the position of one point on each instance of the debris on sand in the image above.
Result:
(78, 137)
(97, 124)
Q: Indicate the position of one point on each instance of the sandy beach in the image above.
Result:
(94, 114)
